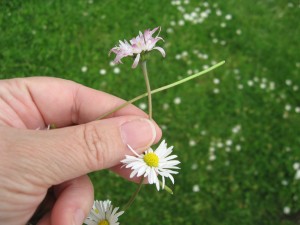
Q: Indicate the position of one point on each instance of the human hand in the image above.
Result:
(34, 161)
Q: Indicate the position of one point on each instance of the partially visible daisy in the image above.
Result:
(144, 42)
(103, 213)
(153, 163)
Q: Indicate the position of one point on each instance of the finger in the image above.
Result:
(66, 153)
(46, 219)
(42, 213)
(63, 102)
(74, 201)
(125, 173)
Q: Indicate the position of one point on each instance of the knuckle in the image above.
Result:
(96, 146)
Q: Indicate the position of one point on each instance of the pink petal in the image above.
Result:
(154, 30)
(114, 50)
(147, 34)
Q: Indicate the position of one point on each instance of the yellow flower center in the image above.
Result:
(151, 159)
(103, 222)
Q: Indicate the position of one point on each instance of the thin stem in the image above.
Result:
(145, 72)
(161, 89)
(134, 195)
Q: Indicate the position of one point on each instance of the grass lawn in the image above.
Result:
(236, 130)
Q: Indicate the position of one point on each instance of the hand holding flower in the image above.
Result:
(35, 161)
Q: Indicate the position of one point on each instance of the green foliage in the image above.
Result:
(236, 129)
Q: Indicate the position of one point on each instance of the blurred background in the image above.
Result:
(236, 130)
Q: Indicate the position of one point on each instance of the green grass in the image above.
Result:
(247, 186)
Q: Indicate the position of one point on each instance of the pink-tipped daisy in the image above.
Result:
(139, 45)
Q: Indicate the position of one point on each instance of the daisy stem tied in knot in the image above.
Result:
(134, 195)
(145, 72)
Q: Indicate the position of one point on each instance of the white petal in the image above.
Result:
(133, 173)
(132, 150)
(136, 61)
(138, 165)
(90, 222)
(157, 183)
(171, 157)
(142, 170)
(163, 182)
(171, 178)
(161, 50)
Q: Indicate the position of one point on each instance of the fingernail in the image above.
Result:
(139, 133)
(78, 217)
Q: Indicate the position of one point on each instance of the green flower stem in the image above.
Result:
(134, 195)
(161, 89)
(145, 72)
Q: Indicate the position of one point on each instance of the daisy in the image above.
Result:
(103, 213)
(153, 163)
(143, 43)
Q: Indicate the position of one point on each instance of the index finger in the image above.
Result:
(63, 103)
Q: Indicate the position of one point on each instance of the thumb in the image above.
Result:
(58, 155)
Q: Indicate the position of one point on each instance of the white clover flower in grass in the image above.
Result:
(137, 46)
(153, 163)
(286, 210)
(103, 213)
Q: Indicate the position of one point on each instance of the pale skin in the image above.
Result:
(34, 160)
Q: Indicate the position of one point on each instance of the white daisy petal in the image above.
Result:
(170, 157)
(136, 61)
(90, 222)
(134, 152)
(161, 50)
(171, 178)
(157, 184)
(138, 165)
(141, 171)
(163, 182)
(133, 173)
